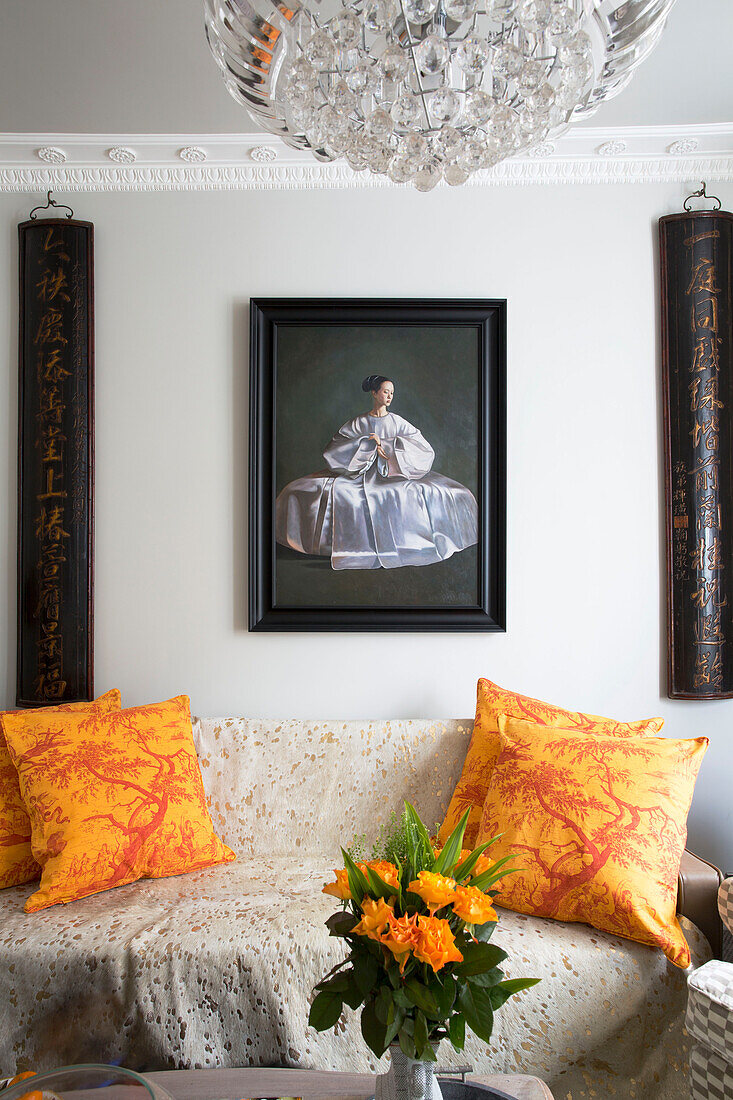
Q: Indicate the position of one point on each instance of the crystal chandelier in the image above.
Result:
(426, 90)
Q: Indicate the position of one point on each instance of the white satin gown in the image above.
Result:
(367, 512)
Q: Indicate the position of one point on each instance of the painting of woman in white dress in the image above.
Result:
(379, 504)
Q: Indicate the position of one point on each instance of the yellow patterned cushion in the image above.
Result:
(17, 864)
(112, 798)
(483, 749)
(598, 826)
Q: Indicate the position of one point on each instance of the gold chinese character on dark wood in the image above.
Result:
(697, 366)
(55, 456)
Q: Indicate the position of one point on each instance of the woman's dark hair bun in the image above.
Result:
(373, 381)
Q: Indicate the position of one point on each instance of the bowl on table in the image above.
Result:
(86, 1082)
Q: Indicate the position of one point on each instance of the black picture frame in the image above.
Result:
(488, 317)
(55, 619)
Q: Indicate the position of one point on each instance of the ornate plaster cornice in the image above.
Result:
(174, 162)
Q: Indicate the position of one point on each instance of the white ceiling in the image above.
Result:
(143, 66)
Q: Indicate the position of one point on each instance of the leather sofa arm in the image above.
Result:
(697, 897)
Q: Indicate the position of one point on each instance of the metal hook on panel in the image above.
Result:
(49, 203)
(702, 194)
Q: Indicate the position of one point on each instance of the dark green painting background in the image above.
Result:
(318, 388)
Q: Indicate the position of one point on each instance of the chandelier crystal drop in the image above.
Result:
(426, 90)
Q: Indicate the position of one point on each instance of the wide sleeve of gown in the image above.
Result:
(351, 451)
(411, 455)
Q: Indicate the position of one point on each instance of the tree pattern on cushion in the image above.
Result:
(17, 864)
(484, 746)
(598, 825)
(113, 798)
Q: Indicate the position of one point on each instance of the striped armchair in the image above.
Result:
(710, 1014)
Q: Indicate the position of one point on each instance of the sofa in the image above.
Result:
(216, 968)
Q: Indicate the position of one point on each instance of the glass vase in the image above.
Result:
(85, 1082)
(407, 1079)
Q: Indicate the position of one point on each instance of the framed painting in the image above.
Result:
(377, 465)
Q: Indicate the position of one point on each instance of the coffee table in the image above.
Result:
(235, 1084)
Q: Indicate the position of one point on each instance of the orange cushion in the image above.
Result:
(484, 747)
(17, 864)
(598, 825)
(112, 798)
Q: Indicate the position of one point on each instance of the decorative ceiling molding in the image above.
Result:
(612, 148)
(192, 154)
(51, 155)
(81, 162)
(120, 155)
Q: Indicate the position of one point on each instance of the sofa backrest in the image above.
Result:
(305, 788)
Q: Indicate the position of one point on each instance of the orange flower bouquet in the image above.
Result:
(417, 925)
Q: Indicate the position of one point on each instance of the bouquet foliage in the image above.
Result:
(417, 926)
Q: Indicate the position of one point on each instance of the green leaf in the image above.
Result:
(370, 947)
(406, 1041)
(475, 1004)
(395, 978)
(485, 931)
(338, 984)
(358, 884)
(504, 990)
(341, 923)
(445, 995)
(464, 869)
(487, 978)
(421, 1035)
(495, 872)
(394, 1027)
(373, 1031)
(478, 958)
(448, 858)
(366, 969)
(428, 1054)
(378, 888)
(384, 1006)
(457, 1031)
(421, 854)
(325, 1010)
(352, 997)
(422, 998)
(401, 999)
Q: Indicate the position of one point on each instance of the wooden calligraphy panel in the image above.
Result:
(697, 363)
(55, 463)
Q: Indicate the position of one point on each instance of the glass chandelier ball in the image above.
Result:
(426, 90)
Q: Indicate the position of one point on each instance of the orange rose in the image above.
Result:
(375, 919)
(473, 906)
(436, 944)
(385, 870)
(339, 888)
(400, 937)
(435, 890)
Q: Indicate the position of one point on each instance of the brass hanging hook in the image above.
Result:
(49, 203)
(702, 194)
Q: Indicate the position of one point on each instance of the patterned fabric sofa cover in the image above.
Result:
(216, 968)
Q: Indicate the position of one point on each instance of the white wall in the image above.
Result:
(585, 598)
